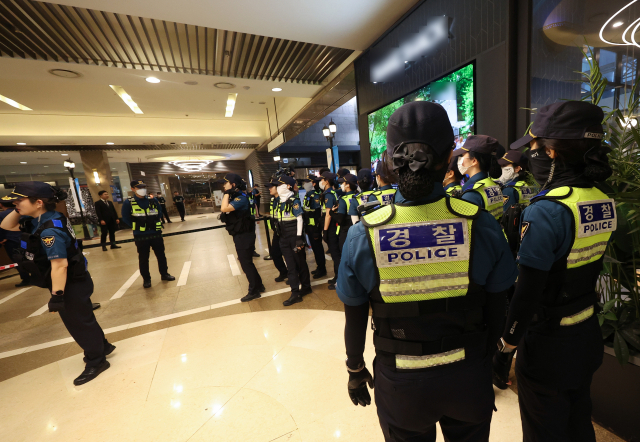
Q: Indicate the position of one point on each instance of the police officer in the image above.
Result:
(236, 214)
(54, 260)
(514, 189)
(142, 214)
(436, 291)
(476, 158)
(385, 178)
(313, 224)
(565, 231)
(11, 241)
(342, 217)
(291, 228)
(329, 201)
(257, 195)
(453, 177)
(163, 205)
(365, 181)
(340, 173)
(275, 253)
(178, 200)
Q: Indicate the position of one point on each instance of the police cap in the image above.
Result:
(513, 157)
(349, 178)
(420, 122)
(285, 179)
(232, 178)
(342, 172)
(138, 183)
(481, 144)
(365, 175)
(329, 176)
(36, 189)
(565, 120)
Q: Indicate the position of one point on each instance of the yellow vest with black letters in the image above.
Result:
(143, 220)
(491, 195)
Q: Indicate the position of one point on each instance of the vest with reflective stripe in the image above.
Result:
(385, 196)
(594, 217)
(363, 197)
(423, 258)
(491, 195)
(311, 214)
(348, 199)
(525, 192)
(287, 221)
(324, 207)
(452, 189)
(142, 218)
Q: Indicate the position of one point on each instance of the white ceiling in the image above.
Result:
(352, 24)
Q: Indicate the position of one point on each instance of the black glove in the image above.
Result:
(501, 368)
(230, 192)
(56, 303)
(357, 385)
(325, 236)
(300, 243)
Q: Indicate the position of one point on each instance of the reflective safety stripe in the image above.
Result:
(587, 253)
(491, 196)
(578, 317)
(415, 288)
(426, 361)
(312, 222)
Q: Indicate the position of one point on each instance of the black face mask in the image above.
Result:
(539, 165)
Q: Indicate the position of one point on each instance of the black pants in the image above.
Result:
(410, 404)
(276, 255)
(315, 241)
(298, 269)
(110, 227)
(144, 246)
(257, 201)
(180, 208)
(81, 323)
(11, 248)
(245, 246)
(335, 251)
(342, 236)
(164, 214)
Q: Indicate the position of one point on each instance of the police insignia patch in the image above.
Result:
(237, 199)
(296, 206)
(524, 228)
(504, 199)
(48, 240)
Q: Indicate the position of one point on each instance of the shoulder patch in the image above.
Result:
(505, 198)
(48, 240)
(237, 199)
(524, 229)
(296, 206)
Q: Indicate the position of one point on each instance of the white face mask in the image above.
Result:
(322, 185)
(308, 187)
(508, 174)
(343, 187)
(141, 192)
(461, 168)
(283, 192)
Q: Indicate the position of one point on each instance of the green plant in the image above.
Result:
(619, 282)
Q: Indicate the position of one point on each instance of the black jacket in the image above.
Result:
(106, 212)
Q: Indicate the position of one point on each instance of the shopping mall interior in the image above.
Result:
(97, 94)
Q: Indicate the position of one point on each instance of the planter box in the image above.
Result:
(615, 393)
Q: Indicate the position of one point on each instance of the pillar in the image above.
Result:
(97, 161)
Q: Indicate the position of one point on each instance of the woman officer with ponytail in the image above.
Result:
(478, 160)
(564, 233)
(51, 255)
(437, 292)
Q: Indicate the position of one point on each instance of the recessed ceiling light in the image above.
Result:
(191, 83)
(23, 162)
(12, 172)
(45, 166)
(21, 144)
(126, 98)
(243, 142)
(13, 103)
(276, 89)
(184, 142)
(152, 80)
(231, 104)
(109, 143)
(618, 24)
(64, 154)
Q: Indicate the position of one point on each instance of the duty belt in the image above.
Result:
(570, 314)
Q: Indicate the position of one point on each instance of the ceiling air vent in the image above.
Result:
(223, 85)
(64, 73)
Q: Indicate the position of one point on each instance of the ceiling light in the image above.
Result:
(13, 103)
(223, 85)
(96, 177)
(191, 165)
(126, 98)
(610, 20)
(276, 89)
(184, 142)
(64, 154)
(110, 143)
(21, 144)
(243, 142)
(45, 166)
(276, 158)
(617, 24)
(191, 83)
(23, 162)
(152, 80)
(231, 104)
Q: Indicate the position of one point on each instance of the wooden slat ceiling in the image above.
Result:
(45, 31)
(174, 147)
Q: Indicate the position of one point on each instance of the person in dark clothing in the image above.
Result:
(256, 198)
(11, 242)
(329, 202)
(143, 215)
(313, 224)
(178, 200)
(275, 252)
(163, 206)
(108, 218)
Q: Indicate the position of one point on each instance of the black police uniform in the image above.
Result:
(329, 200)
(313, 228)
(163, 205)
(179, 202)
(276, 252)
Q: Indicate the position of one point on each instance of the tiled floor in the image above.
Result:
(193, 362)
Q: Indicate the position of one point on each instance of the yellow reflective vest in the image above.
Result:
(491, 195)
(141, 218)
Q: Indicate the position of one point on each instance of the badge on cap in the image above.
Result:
(48, 241)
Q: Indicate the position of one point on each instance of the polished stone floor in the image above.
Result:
(192, 362)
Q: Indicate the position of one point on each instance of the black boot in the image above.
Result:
(320, 273)
(292, 300)
(115, 246)
(146, 283)
(250, 296)
(104, 248)
(281, 277)
(168, 277)
(255, 254)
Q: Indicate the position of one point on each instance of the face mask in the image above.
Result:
(540, 166)
(308, 187)
(283, 192)
(508, 174)
(141, 192)
(461, 168)
(343, 187)
(322, 185)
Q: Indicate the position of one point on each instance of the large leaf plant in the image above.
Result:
(619, 282)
